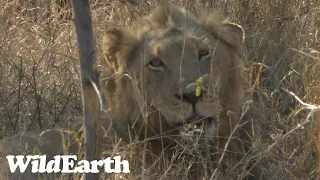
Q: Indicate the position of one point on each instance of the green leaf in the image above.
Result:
(198, 91)
(201, 80)
(192, 85)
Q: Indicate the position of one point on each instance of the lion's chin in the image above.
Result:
(197, 126)
(207, 125)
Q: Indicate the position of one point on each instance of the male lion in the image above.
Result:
(154, 90)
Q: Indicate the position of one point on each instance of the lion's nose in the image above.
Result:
(190, 97)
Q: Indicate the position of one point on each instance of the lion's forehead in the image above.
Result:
(176, 47)
(173, 33)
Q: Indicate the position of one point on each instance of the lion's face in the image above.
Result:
(171, 60)
(166, 54)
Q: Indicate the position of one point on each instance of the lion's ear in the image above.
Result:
(235, 32)
(117, 45)
(231, 33)
(111, 44)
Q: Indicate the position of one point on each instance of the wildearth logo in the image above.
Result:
(65, 164)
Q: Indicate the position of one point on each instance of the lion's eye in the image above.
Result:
(156, 64)
(203, 53)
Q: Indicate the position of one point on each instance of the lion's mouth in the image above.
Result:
(200, 124)
(195, 118)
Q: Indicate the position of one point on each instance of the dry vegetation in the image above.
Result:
(39, 84)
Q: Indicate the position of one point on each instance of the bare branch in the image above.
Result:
(89, 81)
(305, 105)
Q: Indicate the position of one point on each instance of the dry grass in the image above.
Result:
(39, 84)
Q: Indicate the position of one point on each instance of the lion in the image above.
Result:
(172, 71)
